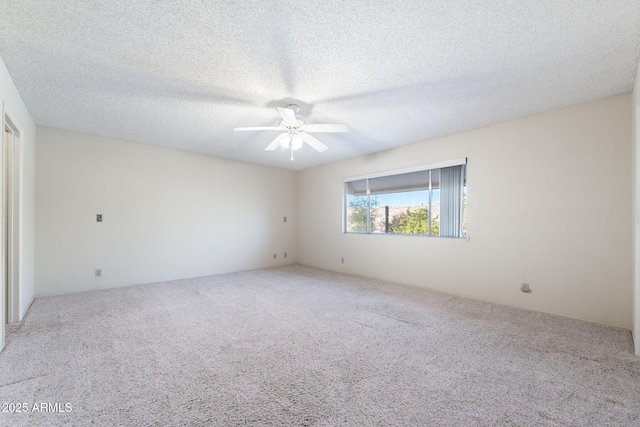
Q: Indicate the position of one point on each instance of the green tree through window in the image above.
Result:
(357, 219)
(415, 222)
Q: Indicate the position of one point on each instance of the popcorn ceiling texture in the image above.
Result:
(298, 346)
(183, 74)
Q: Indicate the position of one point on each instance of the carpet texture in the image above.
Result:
(307, 347)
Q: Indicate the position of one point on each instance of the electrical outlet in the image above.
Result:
(284, 219)
(98, 272)
(285, 254)
(275, 256)
(525, 288)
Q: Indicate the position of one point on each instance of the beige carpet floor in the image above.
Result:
(298, 346)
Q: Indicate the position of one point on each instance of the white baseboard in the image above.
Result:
(26, 309)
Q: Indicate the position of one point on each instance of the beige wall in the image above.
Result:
(549, 203)
(19, 115)
(167, 214)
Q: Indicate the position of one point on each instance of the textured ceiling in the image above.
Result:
(183, 74)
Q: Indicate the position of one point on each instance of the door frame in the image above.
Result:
(12, 211)
(10, 170)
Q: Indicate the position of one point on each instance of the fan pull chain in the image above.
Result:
(292, 154)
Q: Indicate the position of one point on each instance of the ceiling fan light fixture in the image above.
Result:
(286, 141)
(296, 141)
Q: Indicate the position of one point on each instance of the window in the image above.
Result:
(428, 200)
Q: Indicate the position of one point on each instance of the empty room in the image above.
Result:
(389, 213)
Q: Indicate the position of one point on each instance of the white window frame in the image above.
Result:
(419, 168)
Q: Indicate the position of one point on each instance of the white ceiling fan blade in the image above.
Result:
(276, 142)
(259, 128)
(313, 142)
(327, 128)
(287, 114)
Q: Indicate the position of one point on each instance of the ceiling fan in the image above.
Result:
(296, 132)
